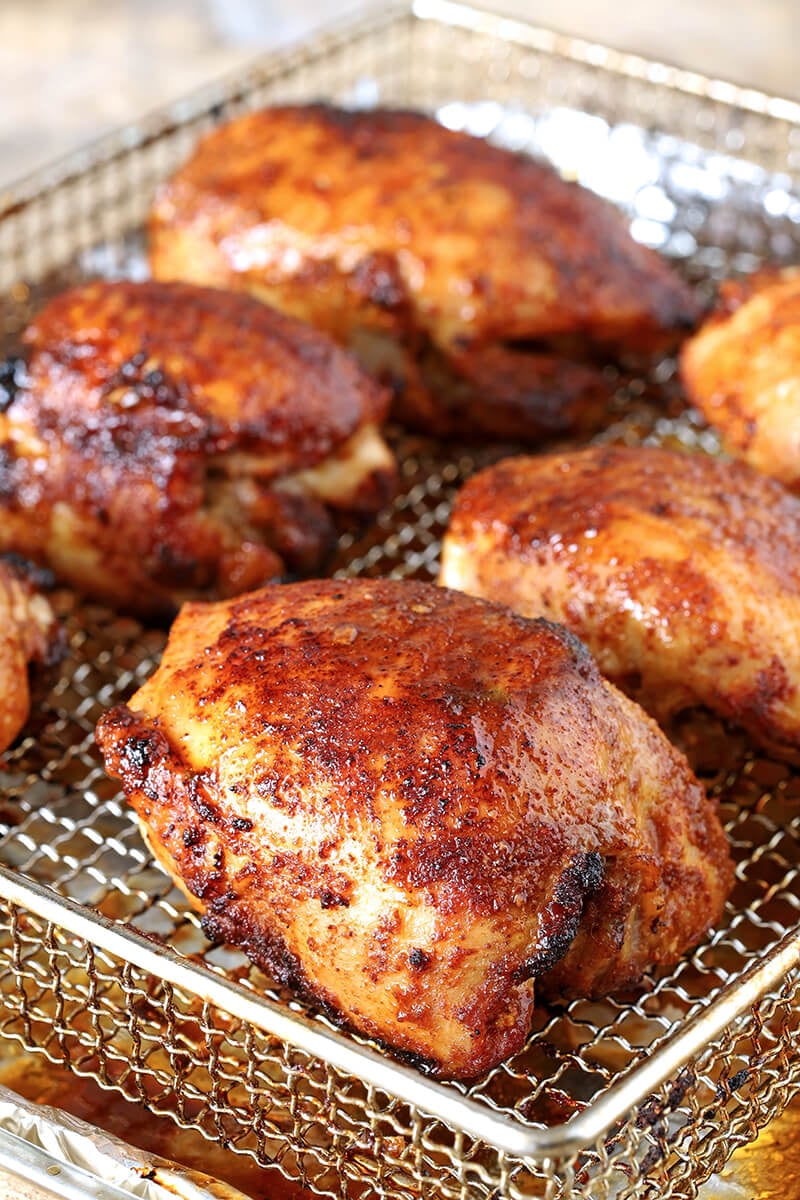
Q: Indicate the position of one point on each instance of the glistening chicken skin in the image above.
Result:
(28, 635)
(742, 370)
(681, 573)
(169, 441)
(487, 290)
(409, 803)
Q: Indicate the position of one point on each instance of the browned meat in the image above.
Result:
(173, 441)
(28, 634)
(742, 370)
(488, 289)
(408, 803)
(680, 572)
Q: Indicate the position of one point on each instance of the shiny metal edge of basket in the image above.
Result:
(405, 1083)
(200, 102)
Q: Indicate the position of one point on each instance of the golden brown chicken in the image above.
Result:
(408, 803)
(742, 371)
(172, 441)
(488, 290)
(680, 572)
(28, 635)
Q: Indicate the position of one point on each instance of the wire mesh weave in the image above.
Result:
(704, 173)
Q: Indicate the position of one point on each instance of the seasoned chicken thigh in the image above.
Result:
(28, 634)
(408, 803)
(171, 441)
(488, 290)
(680, 572)
(742, 371)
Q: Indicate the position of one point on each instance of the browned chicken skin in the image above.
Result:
(173, 441)
(408, 802)
(680, 572)
(742, 370)
(27, 635)
(491, 291)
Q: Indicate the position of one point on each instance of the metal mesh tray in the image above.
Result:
(102, 967)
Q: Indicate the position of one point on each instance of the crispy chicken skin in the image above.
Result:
(171, 441)
(28, 635)
(742, 371)
(406, 802)
(491, 291)
(680, 572)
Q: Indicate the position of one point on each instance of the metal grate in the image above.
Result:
(103, 967)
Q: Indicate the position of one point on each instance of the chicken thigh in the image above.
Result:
(490, 292)
(408, 803)
(680, 572)
(28, 634)
(171, 441)
(742, 371)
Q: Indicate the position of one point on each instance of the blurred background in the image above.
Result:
(72, 69)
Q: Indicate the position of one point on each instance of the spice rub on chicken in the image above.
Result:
(28, 636)
(680, 572)
(410, 804)
(742, 371)
(489, 290)
(170, 441)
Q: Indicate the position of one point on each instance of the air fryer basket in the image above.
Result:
(102, 965)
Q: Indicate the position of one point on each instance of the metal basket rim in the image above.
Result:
(602, 56)
(367, 20)
(465, 1115)
(154, 123)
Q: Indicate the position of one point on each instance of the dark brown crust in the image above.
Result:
(387, 221)
(401, 800)
(241, 375)
(169, 416)
(681, 572)
(506, 392)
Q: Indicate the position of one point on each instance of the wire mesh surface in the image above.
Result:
(705, 177)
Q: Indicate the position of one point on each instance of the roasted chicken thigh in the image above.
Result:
(170, 441)
(742, 371)
(488, 290)
(409, 803)
(680, 572)
(28, 635)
